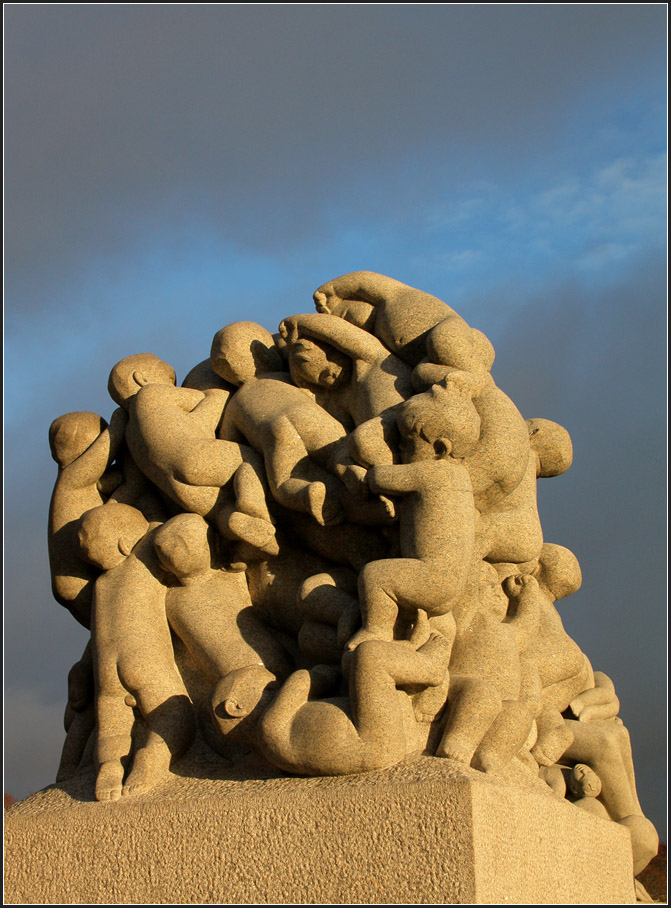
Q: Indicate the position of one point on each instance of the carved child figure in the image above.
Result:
(494, 694)
(436, 514)
(353, 375)
(171, 435)
(405, 319)
(602, 742)
(373, 728)
(211, 610)
(84, 447)
(133, 656)
(304, 447)
(562, 668)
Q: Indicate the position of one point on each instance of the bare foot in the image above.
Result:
(241, 690)
(326, 511)
(354, 478)
(455, 750)
(150, 766)
(644, 840)
(321, 302)
(109, 781)
(488, 762)
(430, 701)
(258, 533)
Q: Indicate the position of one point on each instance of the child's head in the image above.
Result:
(454, 343)
(134, 372)
(440, 423)
(584, 782)
(183, 545)
(552, 446)
(71, 434)
(558, 571)
(108, 533)
(244, 350)
(490, 591)
(314, 363)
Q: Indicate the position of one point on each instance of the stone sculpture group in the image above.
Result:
(325, 546)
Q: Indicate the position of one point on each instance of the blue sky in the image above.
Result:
(171, 169)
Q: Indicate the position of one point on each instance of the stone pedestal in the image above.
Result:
(423, 832)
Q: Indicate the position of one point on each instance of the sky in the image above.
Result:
(173, 168)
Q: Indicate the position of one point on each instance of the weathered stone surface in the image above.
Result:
(428, 831)
(325, 548)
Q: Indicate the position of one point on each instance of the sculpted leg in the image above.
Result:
(115, 723)
(504, 738)
(327, 598)
(473, 706)
(296, 482)
(79, 719)
(554, 737)
(377, 668)
(386, 585)
(170, 730)
(249, 520)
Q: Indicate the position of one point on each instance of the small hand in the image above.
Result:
(516, 583)
(354, 478)
(288, 329)
(321, 302)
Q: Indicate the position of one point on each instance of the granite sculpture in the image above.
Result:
(325, 546)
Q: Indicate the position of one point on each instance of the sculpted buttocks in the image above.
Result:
(171, 434)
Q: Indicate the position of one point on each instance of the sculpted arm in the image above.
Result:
(523, 590)
(89, 467)
(211, 408)
(395, 479)
(344, 336)
(375, 289)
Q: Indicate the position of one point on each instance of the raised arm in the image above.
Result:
(399, 315)
(367, 286)
(210, 410)
(344, 336)
(89, 467)
(396, 479)
(523, 590)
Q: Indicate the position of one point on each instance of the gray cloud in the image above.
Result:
(121, 119)
(268, 125)
(596, 362)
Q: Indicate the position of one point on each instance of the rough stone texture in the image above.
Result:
(427, 831)
(325, 547)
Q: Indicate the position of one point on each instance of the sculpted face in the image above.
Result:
(182, 546)
(71, 434)
(100, 549)
(584, 782)
(414, 449)
(310, 364)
